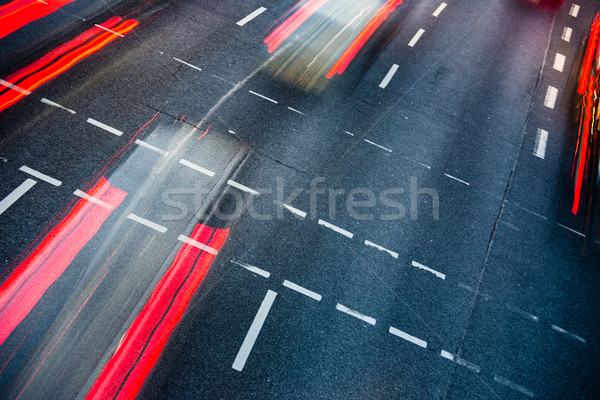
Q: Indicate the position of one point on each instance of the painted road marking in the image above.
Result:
(16, 194)
(15, 87)
(252, 268)
(196, 167)
(186, 63)
(109, 30)
(438, 10)
(104, 126)
(302, 290)
(523, 313)
(251, 16)
(514, 386)
(152, 148)
(416, 38)
(423, 267)
(550, 99)
(197, 245)
(294, 210)
(257, 324)
(540, 143)
(388, 77)
(378, 247)
(565, 332)
(571, 230)
(53, 104)
(147, 223)
(456, 179)
(574, 11)
(408, 337)
(93, 199)
(296, 111)
(459, 361)
(378, 145)
(242, 187)
(355, 314)
(566, 35)
(263, 97)
(40, 176)
(336, 229)
(559, 62)
(349, 133)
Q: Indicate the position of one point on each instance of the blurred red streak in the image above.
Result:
(589, 55)
(19, 13)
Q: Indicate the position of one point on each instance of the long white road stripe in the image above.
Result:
(550, 99)
(378, 145)
(252, 268)
(263, 97)
(336, 229)
(459, 361)
(15, 87)
(408, 337)
(147, 223)
(514, 386)
(574, 11)
(566, 35)
(540, 143)
(151, 148)
(378, 247)
(186, 63)
(565, 332)
(196, 167)
(257, 324)
(16, 194)
(355, 314)
(104, 126)
(53, 104)
(302, 290)
(294, 210)
(109, 30)
(251, 16)
(559, 62)
(93, 199)
(40, 176)
(197, 245)
(416, 38)
(438, 10)
(456, 179)
(570, 229)
(423, 267)
(388, 77)
(242, 187)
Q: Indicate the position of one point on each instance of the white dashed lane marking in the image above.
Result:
(109, 30)
(458, 180)
(145, 222)
(377, 145)
(438, 10)
(425, 268)
(388, 77)
(294, 210)
(16, 194)
(355, 314)
(514, 386)
(540, 143)
(416, 38)
(104, 126)
(93, 199)
(151, 148)
(196, 244)
(406, 336)
(186, 63)
(251, 16)
(378, 247)
(15, 87)
(574, 11)
(53, 104)
(550, 99)
(569, 334)
(449, 356)
(263, 97)
(252, 268)
(566, 35)
(336, 229)
(300, 289)
(40, 176)
(559, 62)
(195, 167)
(242, 187)
(296, 111)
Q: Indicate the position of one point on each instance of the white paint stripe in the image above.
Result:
(540, 143)
(186, 63)
(377, 145)
(16, 194)
(263, 97)
(572, 230)
(302, 290)
(336, 229)
(252, 268)
(152, 148)
(196, 167)
(514, 386)
(574, 11)
(349, 133)
(565, 332)
(456, 179)
(355, 314)
(523, 313)
(196, 244)
(559, 62)
(43, 2)
(295, 210)
(378, 247)
(242, 187)
(550, 99)
(416, 38)
(294, 110)
(408, 337)
(251, 16)
(567, 32)
(147, 223)
(15, 87)
(388, 77)
(437, 12)
(41, 176)
(459, 361)
(109, 30)
(104, 126)
(423, 267)
(93, 199)
(257, 324)
(53, 104)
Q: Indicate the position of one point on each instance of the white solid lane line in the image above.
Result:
(40, 176)
(355, 314)
(378, 145)
(565, 332)
(151, 148)
(53, 104)
(196, 167)
(406, 336)
(567, 32)
(388, 77)
(197, 245)
(257, 324)
(93, 199)
(559, 62)
(514, 386)
(15, 87)
(252, 268)
(188, 64)
(416, 38)
(302, 290)
(251, 16)
(104, 126)
(574, 11)
(336, 229)
(550, 99)
(242, 187)
(263, 97)
(378, 247)
(109, 30)
(147, 223)
(294, 210)
(540, 143)
(438, 10)
(16, 194)
(449, 356)
(456, 179)
(423, 267)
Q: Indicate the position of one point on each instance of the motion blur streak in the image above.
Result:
(19, 13)
(32, 278)
(64, 57)
(125, 372)
(342, 63)
(589, 55)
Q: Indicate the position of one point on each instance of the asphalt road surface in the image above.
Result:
(396, 231)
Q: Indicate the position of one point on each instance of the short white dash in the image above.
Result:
(513, 386)
(263, 97)
(388, 77)
(104, 126)
(16, 194)
(41, 176)
(151, 148)
(540, 143)
(252, 268)
(251, 16)
(355, 314)
(302, 290)
(242, 187)
(109, 30)
(296, 111)
(15, 87)
(550, 99)
(438, 10)
(378, 145)
(523, 313)
(223, 79)
(147, 223)
(571, 230)
(423, 267)
(197, 244)
(186, 63)
(456, 179)
(459, 361)
(336, 229)
(534, 213)
(53, 104)
(416, 38)
(349, 133)
(406, 336)
(566, 35)
(196, 167)
(378, 247)
(43, 2)
(93, 199)
(565, 332)
(294, 210)
(252, 335)
(574, 11)
(559, 62)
